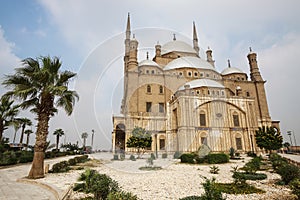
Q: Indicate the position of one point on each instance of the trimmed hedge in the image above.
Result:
(217, 158)
(188, 158)
(246, 176)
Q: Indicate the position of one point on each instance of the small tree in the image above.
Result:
(84, 136)
(58, 132)
(140, 140)
(268, 138)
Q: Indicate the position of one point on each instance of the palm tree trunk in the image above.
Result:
(22, 133)
(37, 168)
(27, 141)
(57, 141)
(15, 137)
(1, 130)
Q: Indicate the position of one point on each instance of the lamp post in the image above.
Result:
(289, 134)
(92, 138)
(295, 142)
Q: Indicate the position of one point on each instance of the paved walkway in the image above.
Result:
(294, 157)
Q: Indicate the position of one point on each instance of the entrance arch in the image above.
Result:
(120, 138)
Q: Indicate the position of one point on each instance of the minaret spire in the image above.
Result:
(128, 27)
(195, 39)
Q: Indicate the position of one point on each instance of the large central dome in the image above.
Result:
(178, 46)
(189, 62)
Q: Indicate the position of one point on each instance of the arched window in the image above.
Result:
(148, 89)
(238, 142)
(236, 121)
(202, 118)
(161, 89)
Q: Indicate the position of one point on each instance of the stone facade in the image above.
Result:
(185, 102)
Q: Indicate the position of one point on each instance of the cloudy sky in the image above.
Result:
(88, 37)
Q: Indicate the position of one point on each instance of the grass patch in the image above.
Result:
(150, 168)
(231, 188)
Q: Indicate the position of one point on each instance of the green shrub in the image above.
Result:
(26, 156)
(187, 158)
(216, 158)
(253, 165)
(122, 156)
(295, 187)
(277, 161)
(98, 184)
(72, 161)
(231, 152)
(214, 169)
(251, 154)
(200, 160)
(132, 157)
(246, 176)
(81, 159)
(62, 166)
(121, 195)
(288, 172)
(232, 188)
(164, 155)
(8, 158)
(212, 192)
(177, 155)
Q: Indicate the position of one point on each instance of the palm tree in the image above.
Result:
(58, 132)
(84, 136)
(27, 132)
(24, 122)
(16, 124)
(41, 86)
(7, 113)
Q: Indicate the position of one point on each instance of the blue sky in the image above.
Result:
(88, 37)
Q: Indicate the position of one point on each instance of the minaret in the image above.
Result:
(158, 50)
(209, 57)
(132, 62)
(195, 39)
(127, 41)
(254, 70)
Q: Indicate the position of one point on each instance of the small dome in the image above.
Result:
(178, 46)
(148, 62)
(232, 70)
(190, 62)
(202, 83)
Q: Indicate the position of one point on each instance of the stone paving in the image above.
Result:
(14, 186)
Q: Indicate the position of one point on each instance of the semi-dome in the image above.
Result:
(202, 83)
(178, 46)
(148, 62)
(190, 62)
(232, 70)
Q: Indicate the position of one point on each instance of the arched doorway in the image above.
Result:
(120, 138)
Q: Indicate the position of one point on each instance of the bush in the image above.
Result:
(253, 165)
(231, 152)
(121, 195)
(277, 161)
(132, 158)
(177, 155)
(122, 156)
(288, 172)
(200, 160)
(187, 158)
(164, 155)
(72, 161)
(246, 176)
(216, 158)
(8, 158)
(81, 159)
(212, 192)
(214, 169)
(62, 166)
(26, 156)
(295, 186)
(251, 154)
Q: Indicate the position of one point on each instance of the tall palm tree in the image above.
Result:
(58, 132)
(27, 132)
(7, 113)
(41, 86)
(16, 124)
(84, 136)
(24, 122)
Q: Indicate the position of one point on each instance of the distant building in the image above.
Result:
(185, 102)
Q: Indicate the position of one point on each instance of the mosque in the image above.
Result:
(184, 102)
